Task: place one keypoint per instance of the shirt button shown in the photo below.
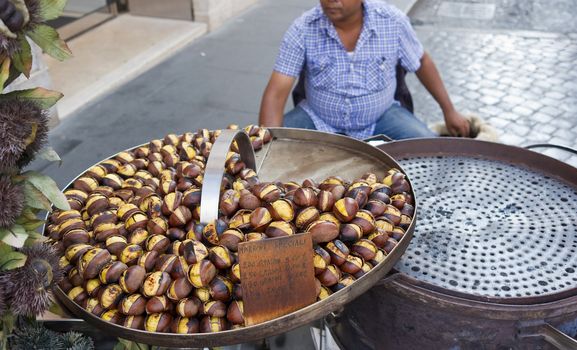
(352, 67)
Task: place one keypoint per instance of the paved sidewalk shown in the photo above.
(540, 15)
(523, 83)
(109, 56)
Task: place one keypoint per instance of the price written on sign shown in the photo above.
(277, 277)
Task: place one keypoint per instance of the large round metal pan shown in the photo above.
(497, 223)
(492, 263)
(294, 155)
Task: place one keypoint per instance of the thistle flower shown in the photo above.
(76, 341)
(34, 336)
(21, 16)
(11, 201)
(29, 286)
(23, 132)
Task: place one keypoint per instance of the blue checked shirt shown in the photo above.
(348, 93)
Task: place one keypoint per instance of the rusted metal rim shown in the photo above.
(451, 146)
(285, 323)
(519, 157)
(405, 285)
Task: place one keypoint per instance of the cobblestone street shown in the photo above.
(523, 82)
(541, 15)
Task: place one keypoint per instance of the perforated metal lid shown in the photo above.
(491, 228)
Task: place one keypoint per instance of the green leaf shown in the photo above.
(44, 98)
(48, 153)
(8, 321)
(12, 260)
(4, 73)
(124, 344)
(51, 9)
(14, 236)
(5, 249)
(29, 213)
(33, 238)
(14, 74)
(56, 309)
(49, 41)
(48, 187)
(23, 59)
(35, 199)
(32, 225)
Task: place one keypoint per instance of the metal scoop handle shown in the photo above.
(214, 170)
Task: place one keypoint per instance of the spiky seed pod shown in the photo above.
(11, 201)
(29, 285)
(17, 17)
(23, 132)
(76, 341)
(8, 45)
(34, 336)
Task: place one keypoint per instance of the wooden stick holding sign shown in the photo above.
(277, 277)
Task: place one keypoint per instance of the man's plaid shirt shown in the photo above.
(348, 93)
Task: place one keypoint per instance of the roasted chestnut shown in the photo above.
(231, 239)
(111, 272)
(220, 288)
(365, 248)
(259, 218)
(184, 325)
(157, 304)
(132, 278)
(306, 216)
(305, 197)
(132, 305)
(345, 209)
(235, 312)
(323, 231)
(213, 324)
(159, 322)
(200, 274)
(338, 252)
(330, 276)
(214, 308)
(110, 295)
(220, 256)
(156, 283)
(188, 307)
(193, 251)
(179, 289)
(351, 232)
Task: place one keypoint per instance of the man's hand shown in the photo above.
(457, 125)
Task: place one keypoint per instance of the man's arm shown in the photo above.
(274, 99)
(431, 80)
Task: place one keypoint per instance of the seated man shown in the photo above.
(349, 50)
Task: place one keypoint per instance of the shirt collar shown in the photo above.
(369, 16)
(325, 23)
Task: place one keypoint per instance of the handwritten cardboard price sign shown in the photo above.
(277, 277)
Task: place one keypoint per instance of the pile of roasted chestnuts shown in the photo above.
(135, 254)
